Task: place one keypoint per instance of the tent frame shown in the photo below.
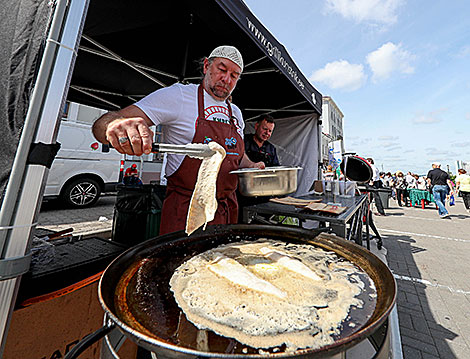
(23, 196)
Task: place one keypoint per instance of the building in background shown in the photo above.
(332, 128)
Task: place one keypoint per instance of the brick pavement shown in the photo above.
(429, 257)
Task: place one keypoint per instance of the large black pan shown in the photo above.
(356, 169)
(168, 252)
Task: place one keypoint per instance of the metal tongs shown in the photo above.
(196, 150)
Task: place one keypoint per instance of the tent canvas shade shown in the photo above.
(128, 51)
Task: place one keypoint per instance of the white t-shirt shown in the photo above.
(176, 109)
(464, 182)
(375, 173)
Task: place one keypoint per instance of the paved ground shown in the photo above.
(99, 218)
(429, 256)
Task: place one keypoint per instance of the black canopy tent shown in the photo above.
(126, 50)
(129, 49)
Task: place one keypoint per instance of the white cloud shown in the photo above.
(461, 144)
(463, 52)
(389, 58)
(372, 11)
(340, 75)
(388, 138)
(429, 117)
(390, 145)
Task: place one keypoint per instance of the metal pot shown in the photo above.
(271, 181)
(116, 290)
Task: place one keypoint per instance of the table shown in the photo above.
(419, 196)
(354, 215)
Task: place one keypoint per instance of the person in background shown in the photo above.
(387, 180)
(188, 113)
(421, 182)
(329, 174)
(376, 183)
(440, 182)
(410, 181)
(131, 177)
(257, 146)
(391, 184)
(400, 188)
(462, 182)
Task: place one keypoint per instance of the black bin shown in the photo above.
(385, 194)
(137, 213)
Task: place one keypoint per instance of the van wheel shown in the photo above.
(82, 192)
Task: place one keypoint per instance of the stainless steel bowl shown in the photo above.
(271, 181)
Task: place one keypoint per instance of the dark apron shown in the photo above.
(180, 185)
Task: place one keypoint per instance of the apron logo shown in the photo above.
(230, 142)
(207, 140)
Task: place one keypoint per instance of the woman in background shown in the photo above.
(463, 186)
(400, 188)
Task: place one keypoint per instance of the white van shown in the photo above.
(81, 171)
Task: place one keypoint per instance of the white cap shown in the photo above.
(437, 164)
(228, 52)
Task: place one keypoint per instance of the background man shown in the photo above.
(188, 114)
(131, 176)
(439, 180)
(257, 146)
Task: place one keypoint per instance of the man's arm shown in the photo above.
(131, 123)
(451, 185)
(247, 163)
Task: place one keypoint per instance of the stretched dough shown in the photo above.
(203, 203)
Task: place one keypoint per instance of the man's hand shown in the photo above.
(259, 165)
(127, 130)
(130, 136)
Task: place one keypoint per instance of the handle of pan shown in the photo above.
(89, 340)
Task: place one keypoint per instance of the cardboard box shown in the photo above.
(49, 326)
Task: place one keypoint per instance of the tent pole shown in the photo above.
(26, 183)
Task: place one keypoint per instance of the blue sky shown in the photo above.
(399, 70)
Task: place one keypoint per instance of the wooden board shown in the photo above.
(322, 207)
(294, 201)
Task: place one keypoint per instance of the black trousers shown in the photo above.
(400, 193)
(466, 199)
(376, 197)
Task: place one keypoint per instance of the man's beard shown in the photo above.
(219, 92)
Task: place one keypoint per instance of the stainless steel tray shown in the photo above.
(271, 181)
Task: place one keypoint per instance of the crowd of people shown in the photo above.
(437, 182)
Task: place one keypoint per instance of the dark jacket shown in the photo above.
(266, 153)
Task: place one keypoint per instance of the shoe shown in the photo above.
(444, 215)
(380, 214)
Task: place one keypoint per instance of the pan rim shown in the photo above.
(171, 239)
